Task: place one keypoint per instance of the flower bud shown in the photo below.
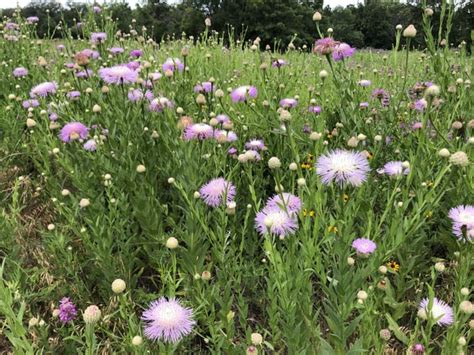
(274, 163)
(317, 16)
(91, 314)
(118, 286)
(409, 32)
(137, 340)
(172, 243)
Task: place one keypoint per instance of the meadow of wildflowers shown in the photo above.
(206, 195)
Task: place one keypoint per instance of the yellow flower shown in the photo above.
(346, 197)
(332, 229)
(393, 266)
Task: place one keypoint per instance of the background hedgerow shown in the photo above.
(200, 195)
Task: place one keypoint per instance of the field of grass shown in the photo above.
(310, 243)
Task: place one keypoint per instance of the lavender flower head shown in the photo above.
(119, 74)
(343, 167)
(278, 63)
(215, 191)
(137, 53)
(223, 119)
(381, 95)
(255, 144)
(205, 87)
(20, 72)
(290, 202)
(73, 95)
(420, 105)
(394, 168)
(73, 131)
(325, 46)
(32, 19)
(462, 217)
(315, 109)
(288, 103)
(159, 104)
(364, 247)
(173, 64)
(98, 37)
(67, 310)
(364, 83)
(30, 103)
(198, 131)
(167, 320)
(342, 51)
(44, 89)
(135, 95)
(223, 136)
(90, 145)
(440, 311)
(243, 92)
(116, 50)
(275, 221)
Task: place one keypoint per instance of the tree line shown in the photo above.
(275, 22)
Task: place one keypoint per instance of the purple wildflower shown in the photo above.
(67, 310)
(89, 53)
(439, 311)
(364, 83)
(341, 51)
(325, 46)
(364, 247)
(289, 202)
(214, 192)
(205, 87)
(198, 131)
(167, 320)
(96, 9)
(119, 74)
(159, 104)
(223, 119)
(134, 65)
(381, 95)
(364, 105)
(462, 217)
(98, 37)
(243, 92)
(44, 89)
(418, 349)
(394, 168)
(315, 109)
(288, 103)
(223, 136)
(30, 103)
(116, 50)
(90, 145)
(135, 95)
(84, 73)
(173, 64)
(155, 76)
(73, 95)
(137, 53)
(32, 19)
(420, 105)
(342, 166)
(417, 125)
(275, 221)
(255, 144)
(60, 47)
(73, 131)
(278, 63)
(20, 72)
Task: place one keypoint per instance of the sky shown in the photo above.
(13, 3)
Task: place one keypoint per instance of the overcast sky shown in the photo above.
(13, 3)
